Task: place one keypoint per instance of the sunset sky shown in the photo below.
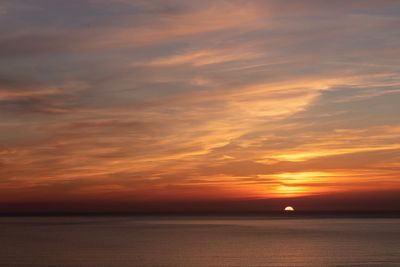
(137, 101)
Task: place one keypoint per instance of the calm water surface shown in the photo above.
(200, 242)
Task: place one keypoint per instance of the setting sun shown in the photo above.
(289, 208)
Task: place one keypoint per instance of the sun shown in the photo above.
(289, 209)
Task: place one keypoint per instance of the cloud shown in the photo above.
(176, 99)
(130, 31)
(25, 96)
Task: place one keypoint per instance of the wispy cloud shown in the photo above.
(145, 100)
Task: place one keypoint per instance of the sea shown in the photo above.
(189, 241)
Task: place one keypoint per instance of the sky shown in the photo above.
(174, 102)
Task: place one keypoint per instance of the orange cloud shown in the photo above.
(211, 100)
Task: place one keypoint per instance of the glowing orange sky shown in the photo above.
(175, 100)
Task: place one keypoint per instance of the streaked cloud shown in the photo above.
(169, 100)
